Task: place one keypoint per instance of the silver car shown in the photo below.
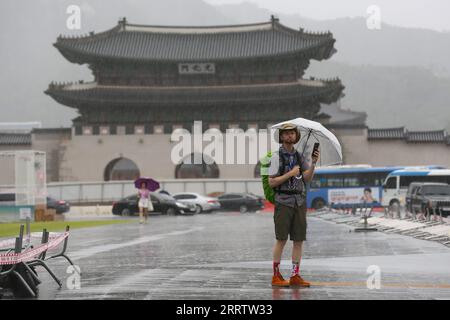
(202, 203)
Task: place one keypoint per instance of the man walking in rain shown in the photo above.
(287, 170)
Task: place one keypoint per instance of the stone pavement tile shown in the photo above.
(228, 256)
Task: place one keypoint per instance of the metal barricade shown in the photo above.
(18, 264)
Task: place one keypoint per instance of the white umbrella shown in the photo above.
(312, 132)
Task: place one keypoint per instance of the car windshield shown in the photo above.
(436, 190)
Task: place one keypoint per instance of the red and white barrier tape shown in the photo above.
(30, 254)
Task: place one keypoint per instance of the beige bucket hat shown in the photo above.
(286, 126)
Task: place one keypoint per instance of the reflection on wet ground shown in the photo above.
(227, 255)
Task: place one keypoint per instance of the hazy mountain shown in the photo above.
(356, 44)
(401, 77)
(393, 96)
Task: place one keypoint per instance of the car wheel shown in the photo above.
(126, 212)
(394, 204)
(318, 203)
(170, 211)
(198, 208)
(243, 208)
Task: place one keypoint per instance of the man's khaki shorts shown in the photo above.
(290, 221)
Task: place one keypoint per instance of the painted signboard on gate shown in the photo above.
(196, 68)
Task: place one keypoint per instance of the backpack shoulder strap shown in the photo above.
(281, 167)
(299, 162)
(282, 164)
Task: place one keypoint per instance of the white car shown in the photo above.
(202, 203)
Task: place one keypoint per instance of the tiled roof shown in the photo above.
(386, 133)
(431, 136)
(427, 136)
(342, 117)
(15, 139)
(200, 44)
(52, 130)
(74, 95)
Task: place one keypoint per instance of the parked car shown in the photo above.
(7, 199)
(242, 202)
(60, 206)
(202, 203)
(431, 195)
(411, 190)
(162, 203)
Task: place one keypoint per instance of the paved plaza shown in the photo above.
(228, 255)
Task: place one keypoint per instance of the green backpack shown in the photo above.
(269, 193)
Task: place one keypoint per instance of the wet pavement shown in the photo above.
(228, 255)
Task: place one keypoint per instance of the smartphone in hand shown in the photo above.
(316, 147)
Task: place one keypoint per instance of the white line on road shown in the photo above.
(88, 252)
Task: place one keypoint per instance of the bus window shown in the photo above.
(335, 181)
(374, 179)
(369, 179)
(317, 181)
(405, 181)
(379, 178)
(391, 183)
(352, 180)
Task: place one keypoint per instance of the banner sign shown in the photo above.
(353, 195)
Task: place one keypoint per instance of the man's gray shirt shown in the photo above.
(291, 184)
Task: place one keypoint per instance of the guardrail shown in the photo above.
(428, 225)
(107, 192)
(432, 213)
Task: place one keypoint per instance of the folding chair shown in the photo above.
(40, 261)
(63, 252)
(18, 270)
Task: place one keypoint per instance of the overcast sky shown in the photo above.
(428, 14)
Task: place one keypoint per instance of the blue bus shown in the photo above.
(349, 184)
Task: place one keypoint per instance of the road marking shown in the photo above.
(88, 252)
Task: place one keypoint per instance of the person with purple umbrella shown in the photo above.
(145, 202)
(144, 186)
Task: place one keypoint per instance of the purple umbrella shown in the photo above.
(152, 185)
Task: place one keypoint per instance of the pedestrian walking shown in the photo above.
(145, 203)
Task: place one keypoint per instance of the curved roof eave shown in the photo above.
(77, 55)
(330, 91)
(81, 57)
